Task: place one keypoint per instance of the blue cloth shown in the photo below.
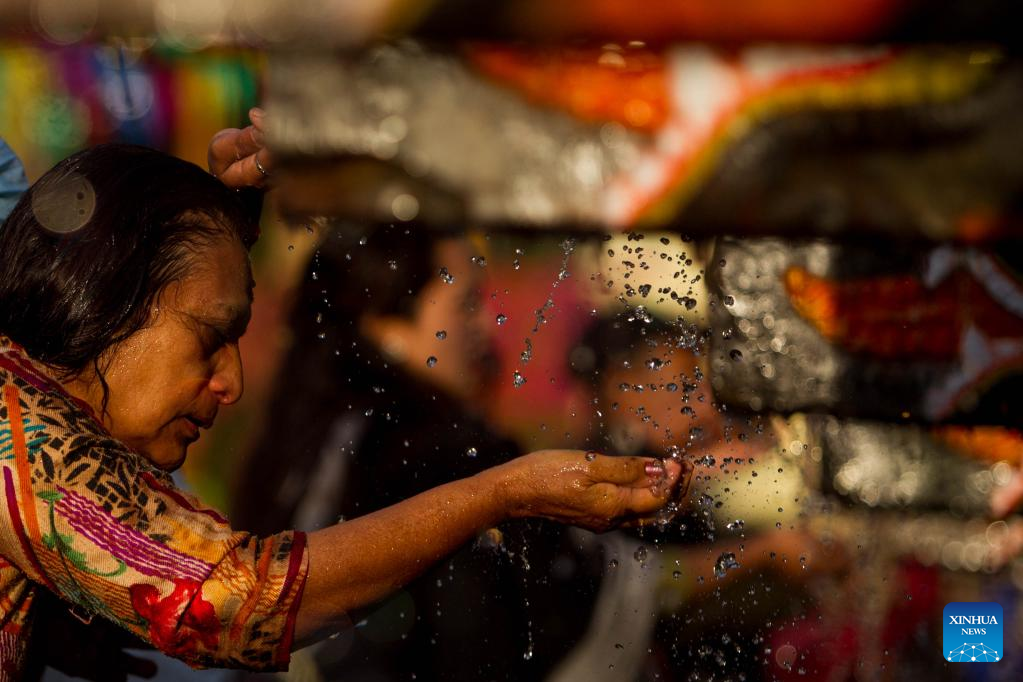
(13, 182)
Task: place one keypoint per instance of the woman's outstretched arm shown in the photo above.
(357, 562)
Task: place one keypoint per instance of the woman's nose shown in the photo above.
(227, 382)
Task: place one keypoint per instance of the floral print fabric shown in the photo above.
(87, 518)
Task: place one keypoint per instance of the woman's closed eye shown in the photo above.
(213, 338)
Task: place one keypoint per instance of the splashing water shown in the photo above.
(725, 563)
(527, 354)
(666, 515)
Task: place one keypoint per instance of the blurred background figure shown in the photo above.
(734, 541)
(380, 396)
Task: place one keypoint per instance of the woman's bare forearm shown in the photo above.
(357, 562)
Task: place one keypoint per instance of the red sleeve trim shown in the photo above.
(298, 548)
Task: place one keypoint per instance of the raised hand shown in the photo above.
(239, 157)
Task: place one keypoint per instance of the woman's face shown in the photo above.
(167, 381)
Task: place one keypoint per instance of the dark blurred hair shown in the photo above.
(357, 270)
(612, 339)
(90, 246)
(361, 269)
(330, 369)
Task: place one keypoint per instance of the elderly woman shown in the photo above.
(124, 288)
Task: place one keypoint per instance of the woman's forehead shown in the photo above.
(217, 278)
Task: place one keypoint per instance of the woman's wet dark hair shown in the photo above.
(88, 249)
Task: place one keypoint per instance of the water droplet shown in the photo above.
(527, 354)
(392, 264)
(666, 514)
(362, 241)
(66, 204)
(654, 363)
(729, 300)
(431, 361)
(725, 563)
(528, 653)
(786, 656)
(441, 334)
(613, 564)
(502, 318)
(516, 264)
(446, 276)
(735, 354)
(738, 524)
(676, 574)
(590, 456)
(291, 247)
(518, 379)
(640, 554)
(479, 260)
(471, 452)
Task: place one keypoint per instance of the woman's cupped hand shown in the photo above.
(589, 490)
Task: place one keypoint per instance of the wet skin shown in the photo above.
(168, 380)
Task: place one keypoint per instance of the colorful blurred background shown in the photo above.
(781, 239)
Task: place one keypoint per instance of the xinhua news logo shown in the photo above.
(972, 632)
